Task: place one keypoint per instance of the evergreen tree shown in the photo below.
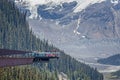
(15, 34)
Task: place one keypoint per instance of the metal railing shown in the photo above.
(33, 55)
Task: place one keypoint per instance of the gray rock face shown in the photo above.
(101, 21)
(98, 21)
(93, 32)
(56, 12)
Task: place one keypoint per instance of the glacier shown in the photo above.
(32, 5)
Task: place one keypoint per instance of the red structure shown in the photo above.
(9, 52)
(5, 62)
(16, 57)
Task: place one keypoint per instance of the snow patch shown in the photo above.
(40, 2)
(115, 1)
(33, 4)
(75, 31)
(83, 36)
(33, 11)
(57, 22)
(85, 3)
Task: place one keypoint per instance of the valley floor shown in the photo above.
(107, 76)
(102, 68)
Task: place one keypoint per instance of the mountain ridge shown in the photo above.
(33, 4)
(112, 60)
(76, 32)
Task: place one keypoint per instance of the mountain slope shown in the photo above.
(91, 32)
(112, 60)
(15, 34)
(102, 21)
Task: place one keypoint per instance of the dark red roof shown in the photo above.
(9, 52)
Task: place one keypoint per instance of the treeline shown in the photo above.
(15, 34)
(26, 73)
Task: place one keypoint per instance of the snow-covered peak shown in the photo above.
(82, 4)
(115, 1)
(39, 2)
(33, 5)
